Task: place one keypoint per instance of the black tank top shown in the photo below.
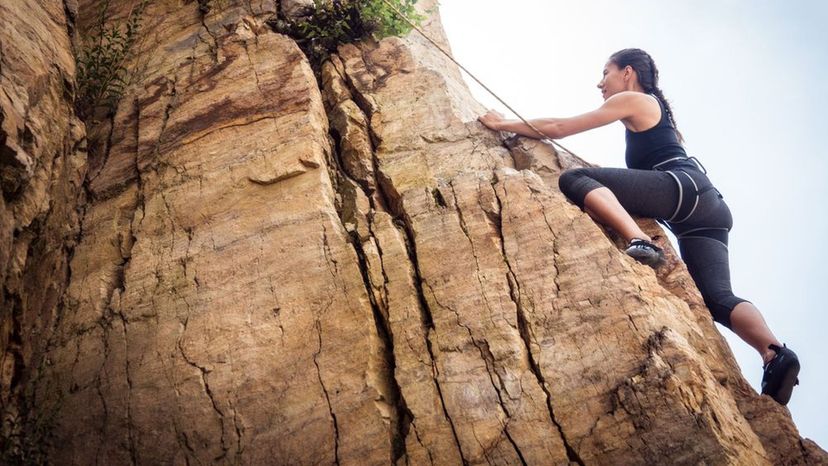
(653, 146)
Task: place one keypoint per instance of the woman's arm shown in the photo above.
(617, 107)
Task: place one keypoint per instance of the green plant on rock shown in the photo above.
(382, 21)
(102, 75)
(335, 22)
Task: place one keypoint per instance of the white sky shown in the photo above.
(746, 80)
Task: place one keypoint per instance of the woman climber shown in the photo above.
(661, 182)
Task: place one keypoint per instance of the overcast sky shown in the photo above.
(747, 81)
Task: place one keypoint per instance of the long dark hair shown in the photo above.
(645, 67)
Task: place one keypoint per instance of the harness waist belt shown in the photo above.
(689, 159)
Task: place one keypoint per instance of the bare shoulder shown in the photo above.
(641, 111)
(638, 100)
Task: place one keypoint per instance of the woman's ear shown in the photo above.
(630, 74)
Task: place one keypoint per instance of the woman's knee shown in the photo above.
(575, 183)
(721, 306)
(569, 178)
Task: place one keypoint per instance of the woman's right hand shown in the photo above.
(492, 120)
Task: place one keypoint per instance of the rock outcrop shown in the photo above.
(256, 266)
(42, 170)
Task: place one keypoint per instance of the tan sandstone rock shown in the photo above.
(42, 167)
(277, 269)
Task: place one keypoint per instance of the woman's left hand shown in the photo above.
(492, 119)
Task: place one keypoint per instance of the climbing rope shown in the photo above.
(544, 137)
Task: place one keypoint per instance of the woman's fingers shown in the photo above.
(491, 118)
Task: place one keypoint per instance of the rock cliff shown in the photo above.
(251, 264)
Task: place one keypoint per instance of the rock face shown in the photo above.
(42, 168)
(271, 269)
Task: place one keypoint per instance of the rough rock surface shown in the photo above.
(42, 167)
(275, 270)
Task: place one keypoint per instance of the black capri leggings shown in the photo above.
(701, 223)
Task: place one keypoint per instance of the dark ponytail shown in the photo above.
(647, 72)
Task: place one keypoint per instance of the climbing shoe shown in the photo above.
(645, 252)
(780, 374)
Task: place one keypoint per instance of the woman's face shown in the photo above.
(613, 80)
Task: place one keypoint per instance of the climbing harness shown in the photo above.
(688, 190)
(718, 234)
(688, 201)
(692, 159)
(686, 184)
(544, 137)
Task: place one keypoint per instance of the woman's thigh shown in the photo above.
(647, 193)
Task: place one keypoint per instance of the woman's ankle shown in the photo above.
(767, 355)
